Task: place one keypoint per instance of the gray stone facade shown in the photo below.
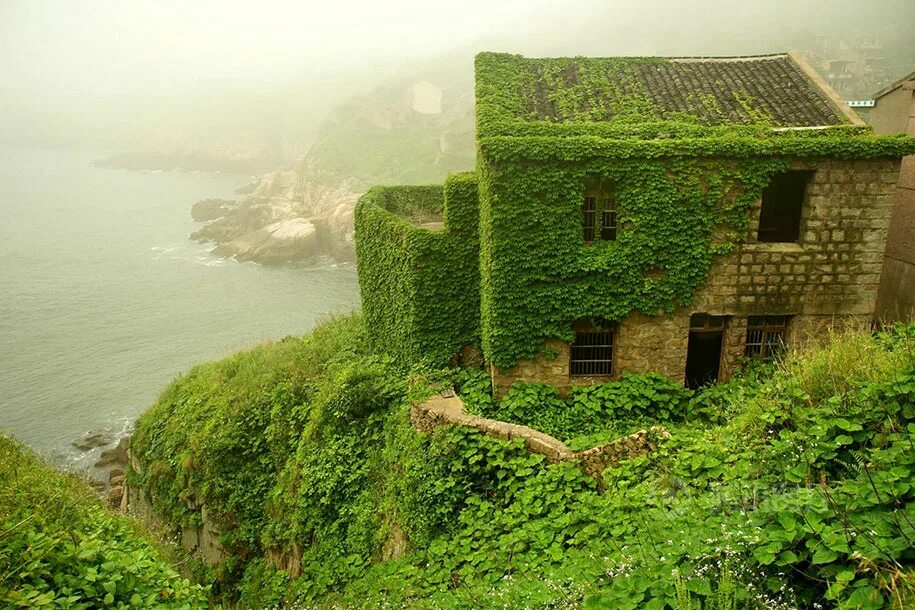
(829, 277)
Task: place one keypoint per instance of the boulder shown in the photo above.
(211, 209)
(115, 494)
(279, 242)
(93, 439)
(116, 455)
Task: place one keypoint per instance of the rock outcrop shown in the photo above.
(283, 220)
(203, 539)
(413, 131)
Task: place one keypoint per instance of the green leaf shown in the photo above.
(824, 554)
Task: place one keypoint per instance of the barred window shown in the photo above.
(608, 223)
(599, 215)
(766, 336)
(588, 217)
(592, 351)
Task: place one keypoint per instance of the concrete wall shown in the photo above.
(895, 113)
(830, 277)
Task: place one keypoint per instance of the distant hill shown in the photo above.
(415, 128)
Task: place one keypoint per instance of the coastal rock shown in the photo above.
(412, 131)
(116, 455)
(94, 439)
(279, 242)
(115, 495)
(211, 209)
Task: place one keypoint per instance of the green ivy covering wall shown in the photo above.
(420, 286)
(683, 191)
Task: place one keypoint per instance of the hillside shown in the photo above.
(788, 487)
(59, 548)
(415, 128)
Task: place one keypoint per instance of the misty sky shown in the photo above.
(89, 62)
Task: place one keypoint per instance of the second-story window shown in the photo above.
(588, 217)
(598, 216)
(782, 204)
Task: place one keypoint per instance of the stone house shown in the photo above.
(894, 112)
(675, 215)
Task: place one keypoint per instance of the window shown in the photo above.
(608, 224)
(782, 202)
(598, 216)
(588, 215)
(766, 336)
(592, 351)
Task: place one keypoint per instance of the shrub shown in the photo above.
(59, 548)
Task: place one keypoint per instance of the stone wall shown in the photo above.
(830, 277)
(439, 411)
(202, 540)
(895, 113)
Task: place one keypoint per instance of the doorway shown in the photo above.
(703, 352)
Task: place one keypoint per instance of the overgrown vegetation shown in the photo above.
(791, 487)
(420, 285)
(682, 183)
(59, 548)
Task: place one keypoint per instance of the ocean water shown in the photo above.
(104, 299)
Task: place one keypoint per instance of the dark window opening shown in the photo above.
(766, 337)
(599, 214)
(591, 352)
(703, 353)
(782, 203)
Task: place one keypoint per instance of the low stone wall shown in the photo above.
(441, 410)
(202, 540)
(595, 460)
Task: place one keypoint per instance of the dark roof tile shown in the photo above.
(712, 91)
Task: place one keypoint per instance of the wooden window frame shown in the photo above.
(706, 322)
(767, 336)
(600, 217)
(591, 353)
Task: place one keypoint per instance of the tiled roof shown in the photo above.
(711, 90)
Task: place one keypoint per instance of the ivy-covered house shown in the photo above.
(675, 215)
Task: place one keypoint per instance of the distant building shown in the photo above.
(894, 112)
(676, 215)
(854, 68)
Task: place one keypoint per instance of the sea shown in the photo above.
(104, 298)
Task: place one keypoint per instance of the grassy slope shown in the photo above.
(784, 489)
(59, 548)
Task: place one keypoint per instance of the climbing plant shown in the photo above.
(683, 186)
(420, 285)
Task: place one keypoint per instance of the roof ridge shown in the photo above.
(728, 58)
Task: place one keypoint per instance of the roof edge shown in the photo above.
(894, 85)
(819, 82)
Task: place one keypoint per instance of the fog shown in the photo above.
(117, 73)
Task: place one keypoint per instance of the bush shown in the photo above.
(59, 548)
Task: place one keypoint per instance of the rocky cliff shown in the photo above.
(415, 129)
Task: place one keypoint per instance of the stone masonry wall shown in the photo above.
(202, 540)
(438, 411)
(830, 277)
